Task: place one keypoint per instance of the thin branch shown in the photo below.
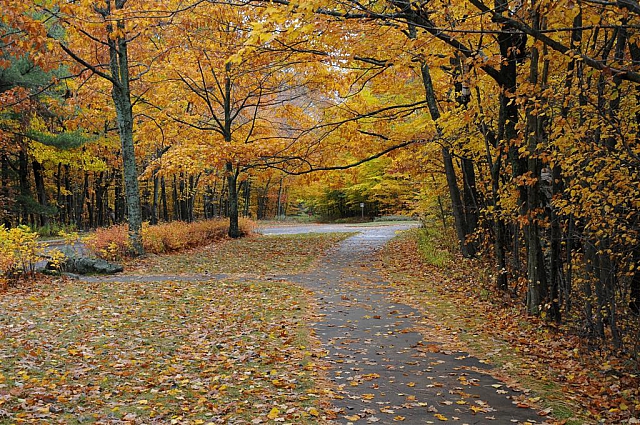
(555, 45)
(312, 169)
(90, 67)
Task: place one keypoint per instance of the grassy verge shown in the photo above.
(258, 254)
(160, 352)
(461, 313)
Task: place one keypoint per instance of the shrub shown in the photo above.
(112, 243)
(19, 251)
(54, 229)
(435, 245)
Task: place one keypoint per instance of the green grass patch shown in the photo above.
(187, 352)
(432, 247)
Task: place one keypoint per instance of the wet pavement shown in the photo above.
(383, 370)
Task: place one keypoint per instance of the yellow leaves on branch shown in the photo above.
(19, 251)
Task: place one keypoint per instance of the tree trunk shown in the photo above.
(25, 190)
(470, 199)
(174, 192)
(79, 196)
(100, 190)
(279, 203)
(5, 192)
(163, 197)
(592, 267)
(119, 199)
(69, 198)
(121, 94)
(232, 179)
(560, 294)
(222, 204)
(182, 200)
(536, 271)
(91, 209)
(450, 173)
(232, 174)
(38, 175)
(247, 197)
(156, 194)
(59, 199)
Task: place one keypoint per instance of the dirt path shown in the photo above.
(384, 371)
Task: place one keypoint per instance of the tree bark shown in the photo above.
(5, 191)
(121, 94)
(175, 203)
(536, 271)
(163, 197)
(232, 179)
(449, 170)
(38, 175)
(25, 189)
(247, 197)
(470, 199)
(156, 195)
(69, 198)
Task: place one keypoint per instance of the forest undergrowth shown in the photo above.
(562, 374)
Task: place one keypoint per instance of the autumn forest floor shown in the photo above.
(289, 328)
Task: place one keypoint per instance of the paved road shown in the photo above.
(384, 371)
(367, 228)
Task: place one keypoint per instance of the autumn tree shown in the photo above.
(107, 41)
(245, 99)
(526, 87)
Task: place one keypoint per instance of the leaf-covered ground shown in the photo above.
(574, 384)
(209, 351)
(279, 254)
(163, 352)
(240, 350)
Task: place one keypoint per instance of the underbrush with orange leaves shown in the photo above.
(112, 243)
(565, 375)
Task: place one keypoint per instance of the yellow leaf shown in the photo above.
(273, 413)
(441, 417)
(314, 412)
(399, 418)
(352, 418)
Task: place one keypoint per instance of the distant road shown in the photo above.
(291, 229)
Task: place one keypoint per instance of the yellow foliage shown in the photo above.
(19, 251)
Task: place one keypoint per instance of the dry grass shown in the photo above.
(112, 242)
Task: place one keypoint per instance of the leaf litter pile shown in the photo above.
(232, 351)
